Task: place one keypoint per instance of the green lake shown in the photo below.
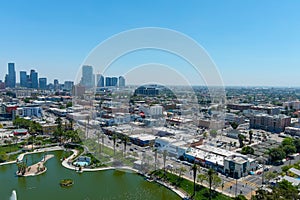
(110, 184)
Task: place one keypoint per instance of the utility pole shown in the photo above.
(262, 174)
(236, 183)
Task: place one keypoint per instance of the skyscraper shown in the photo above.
(43, 83)
(11, 76)
(100, 80)
(121, 81)
(56, 84)
(88, 77)
(23, 79)
(34, 79)
(108, 82)
(68, 85)
(114, 81)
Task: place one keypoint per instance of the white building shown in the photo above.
(292, 131)
(29, 112)
(156, 110)
(175, 148)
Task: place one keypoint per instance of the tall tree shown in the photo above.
(194, 169)
(114, 138)
(241, 138)
(165, 154)
(276, 154)
(155, 158)
(250, 136)
(125, 140)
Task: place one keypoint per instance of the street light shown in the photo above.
(236, 180)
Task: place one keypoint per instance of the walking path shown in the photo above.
(21, 156)
(67, 164)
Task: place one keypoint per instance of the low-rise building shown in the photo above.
(238, 166)
(293, 131)
(29, 112)
(173, 146)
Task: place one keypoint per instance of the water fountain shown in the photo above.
(13, 195)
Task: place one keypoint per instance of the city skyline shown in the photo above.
(252, 43)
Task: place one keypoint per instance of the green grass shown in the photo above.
(186, 185)
(9, 148)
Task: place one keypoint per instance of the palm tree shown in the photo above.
(114, 138)
(102, 138)
(15, 139)
(165, 154)
(21, 167)
(155, 158)
(194, 168)
(71, 121)
(86, 126)
(125, 141)
(100, 147)
(250, 136)
(210, 174)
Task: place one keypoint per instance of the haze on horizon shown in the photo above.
(253, 43)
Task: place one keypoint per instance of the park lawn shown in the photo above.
(186, 185)
(9, 148)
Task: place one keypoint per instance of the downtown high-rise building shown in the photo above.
(10, 78)
(87, 78)
(23, 79)
(121, 81)
(34, 79)
(100, 80)
(114, 81)
(56, 84)
(43, 83)
(68, 85)
(108, 81)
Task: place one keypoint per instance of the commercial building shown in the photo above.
(100, 80)
(227, 162)
(68, 85)
(11, 76)
(173, 146)
(43, 83)
(19, 132)
(147, 91)
(272, 123)
(23, 79)
(114, 81)
(241, 106)
(292, 105)
(29, 112)
(87, 76)
(108, 81)
(34, 79)
(211, 124)
(237, 166)
(121, 81)
(293, 131)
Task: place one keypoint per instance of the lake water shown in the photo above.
(111, 184)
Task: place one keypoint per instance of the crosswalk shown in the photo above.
(253, 184)
(228, 184)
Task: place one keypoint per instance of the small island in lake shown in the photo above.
(66, 182)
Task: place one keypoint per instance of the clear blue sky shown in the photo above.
(252, 42)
